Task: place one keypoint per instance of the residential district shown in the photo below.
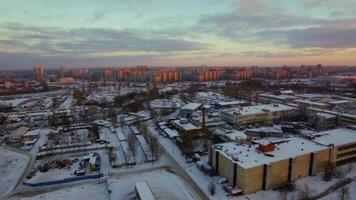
(178, 133)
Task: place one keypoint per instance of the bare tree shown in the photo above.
(212, 187)
(344, 193)
(155, 147)
(305, 194)
(132, 143)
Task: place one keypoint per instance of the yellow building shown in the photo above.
(269, 163)
(342, 142)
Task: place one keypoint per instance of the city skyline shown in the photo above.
(176, 33)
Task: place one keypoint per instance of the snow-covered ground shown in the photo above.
(12, 164)
(163, 185)
(315, 184)
(83, 192)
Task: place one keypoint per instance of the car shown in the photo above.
(80, 172)
(223, 180)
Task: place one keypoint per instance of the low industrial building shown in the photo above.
(322, 121)
(230, 104)
(188, 109)
(342, 141)
(343, 119)
(259, 114)
(269, 163)
(143, 191)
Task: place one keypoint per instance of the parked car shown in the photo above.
(80, 172)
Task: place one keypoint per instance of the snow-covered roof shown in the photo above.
(286, 92)
(35, 132)
(225, 103)
(171, 133)
(14, 102)
(325, 115)
(310, 102)
(144, 191)
(250, 110)
(164, 103)
(21, 130)
(335, 102)
(338, 137)
(184, 124)
(278, 97)
(249, 156)
(191, 106)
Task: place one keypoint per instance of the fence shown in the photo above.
(62, 181)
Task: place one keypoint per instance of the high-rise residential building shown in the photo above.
(80, 72)
(243, 74)
(38, 72)
(168, 76)
(108, 72)
(64, 71)
(209, 75)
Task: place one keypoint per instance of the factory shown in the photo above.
(271, 162)
(259, 114)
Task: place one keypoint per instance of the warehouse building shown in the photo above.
(259, 114)
(188, 110)
(269, 163)
(342, 142)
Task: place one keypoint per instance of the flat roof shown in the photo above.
(171, 133)
(144, 191)
(310, 102)
(338, 137)
(225, 103)
(191, 106)
(247, 156)
(21, 130)
(249, 110)
(186, 125)
(340, 101)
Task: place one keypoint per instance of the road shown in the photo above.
(32, 158)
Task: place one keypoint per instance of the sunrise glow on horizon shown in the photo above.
(176, 33)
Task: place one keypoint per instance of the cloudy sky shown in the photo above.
(176, 32)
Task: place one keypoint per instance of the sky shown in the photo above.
(92, 33)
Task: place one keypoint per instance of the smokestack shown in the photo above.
(203, 121)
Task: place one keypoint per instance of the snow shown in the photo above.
(67, 103)
(247, 156)
(339, 136)
(191, 106)
(336, 195)
(14, 102)
(114, 139)
(311, 103)
(145, 147)
(251, 110)
(120, 134)
(164, 103)
(12, 164)
(325, 115)
(171, 133)
(144, 191)
(163, 185)
(231, 103)
(201, 180)
(184, 124)
(83, 192)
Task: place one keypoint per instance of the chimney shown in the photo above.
(203, 121)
